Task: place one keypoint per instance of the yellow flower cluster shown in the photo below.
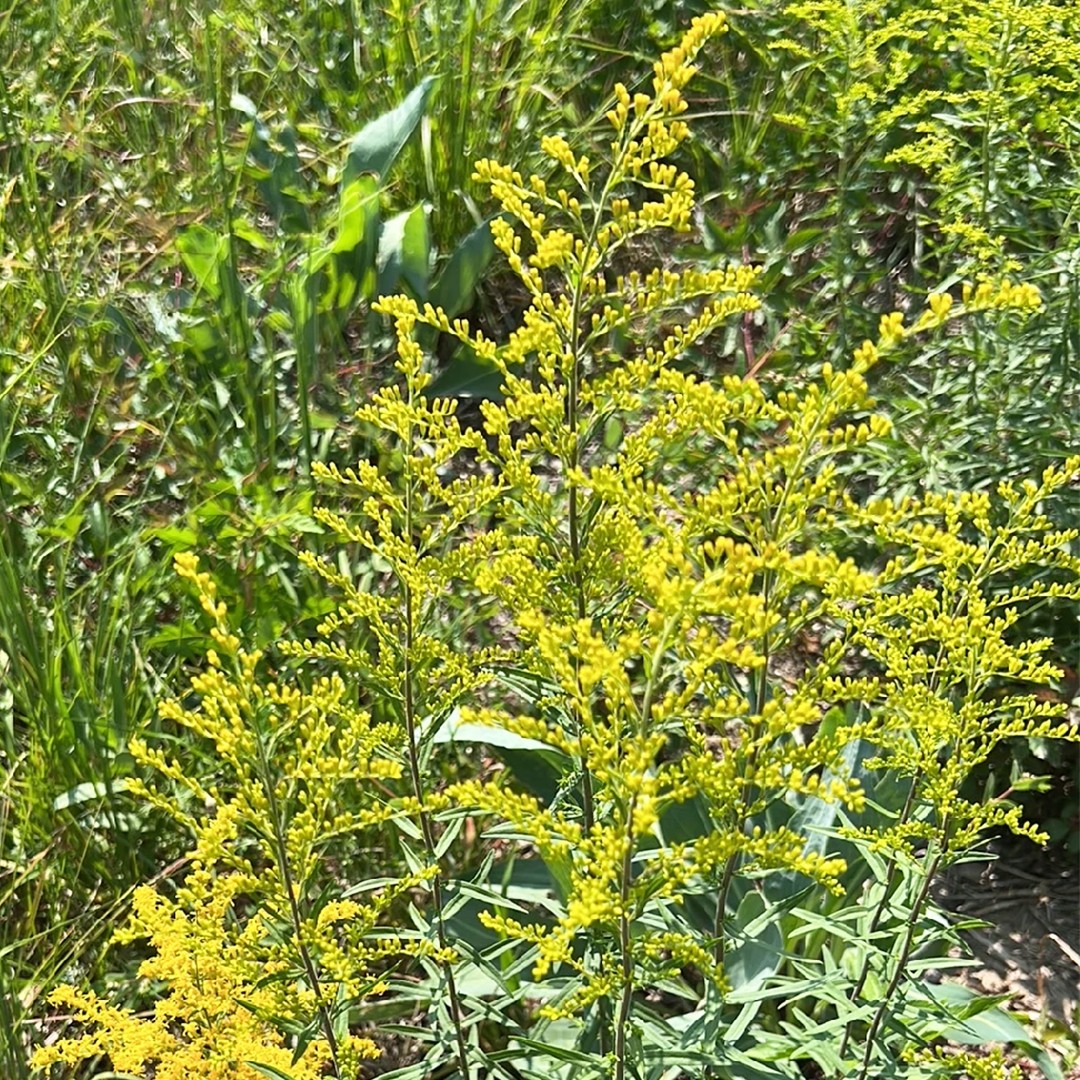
(1000, 73)
(648, 585)
(302, 768)
(942, 647)
(217, 1018)
(946, 1063)
(1003, 295)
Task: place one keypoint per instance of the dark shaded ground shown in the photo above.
(1031, 950)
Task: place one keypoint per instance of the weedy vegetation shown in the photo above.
(691, 588)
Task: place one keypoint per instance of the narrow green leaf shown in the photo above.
(453, 730)
(561, 1053)
(270, 1070)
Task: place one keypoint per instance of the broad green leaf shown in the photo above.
(814, 817)
(540, 771)
(686, 821)
(203, 253)
(375, 148)
(454, 289)
(977, 1018)
(346, 269)
(761, 949)
(85, 792)
(980, 1019)
(358, 214)
(404, 256)
(468, 377)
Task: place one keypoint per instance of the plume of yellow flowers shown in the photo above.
(650, 585)
(245, 949)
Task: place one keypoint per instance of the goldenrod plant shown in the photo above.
(977, 97)
(878, 151)
(707, 847)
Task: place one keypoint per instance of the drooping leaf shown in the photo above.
(454, 730)
(375, 148)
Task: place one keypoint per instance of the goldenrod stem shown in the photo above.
(325, 1020)
(426, 829)
(625, 954)
(900, 970)
(875, 922)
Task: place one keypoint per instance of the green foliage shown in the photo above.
(703, 852)
(270, 340)
(875, 149)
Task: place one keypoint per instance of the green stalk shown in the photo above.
(759, 694)
(626, 957)
(574, 523)
(905, 952)
(876, 920)
(892, 868)
(720, 914)
(412, 732)
(573, 417)
(325, 1020)
(429, 835)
